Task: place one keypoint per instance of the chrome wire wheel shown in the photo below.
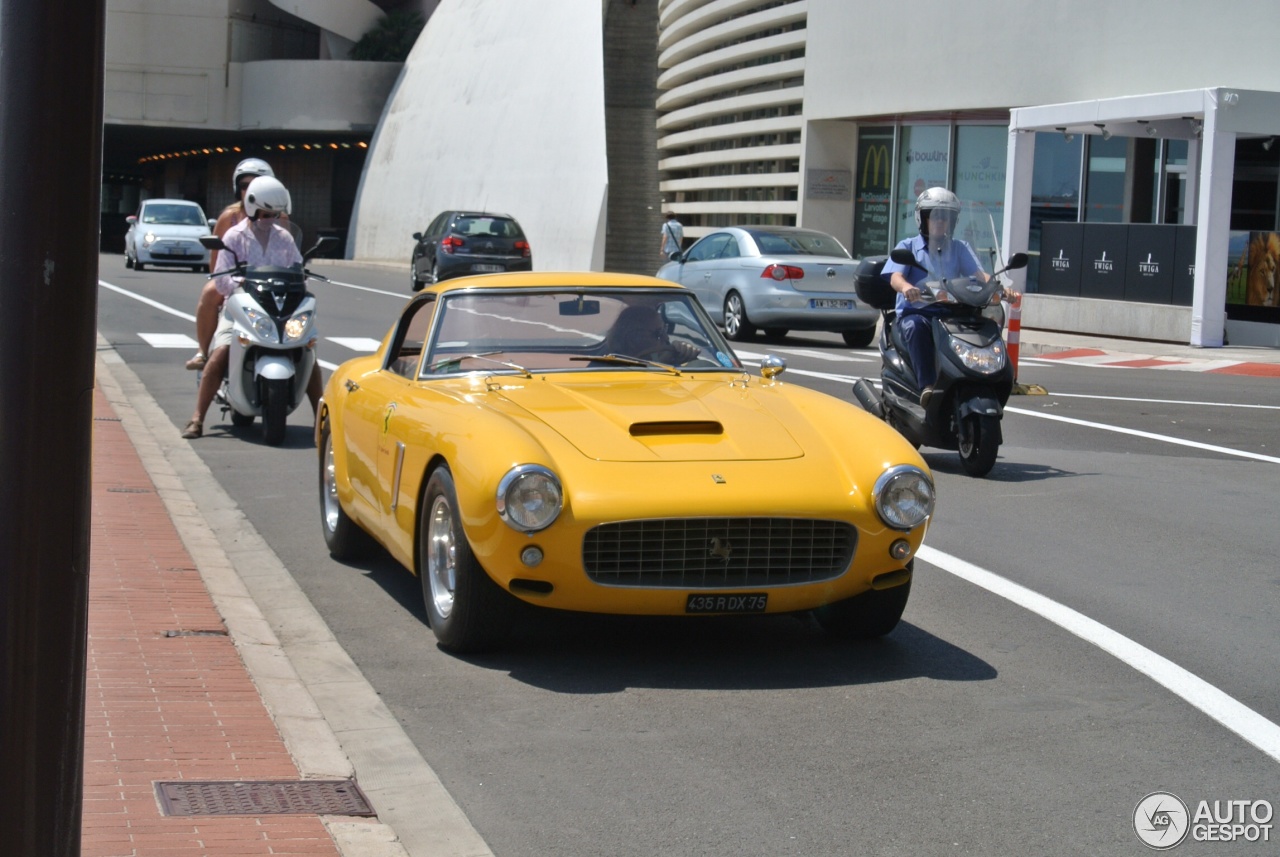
(329, 492)
(442, 557)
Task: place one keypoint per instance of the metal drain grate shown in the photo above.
(263, 797)
(185, 633)
(129, 490)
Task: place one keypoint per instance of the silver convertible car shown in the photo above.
(775, 279)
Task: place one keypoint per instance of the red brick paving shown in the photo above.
(166, 708)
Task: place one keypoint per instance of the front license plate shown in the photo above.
(487, 269)
(719, 602)
(828, 303)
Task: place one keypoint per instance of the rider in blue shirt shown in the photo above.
(939, 256)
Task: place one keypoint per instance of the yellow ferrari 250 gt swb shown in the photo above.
(590, 442)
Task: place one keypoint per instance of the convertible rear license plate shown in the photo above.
(720, 602)
(828, 303)
(488, 269)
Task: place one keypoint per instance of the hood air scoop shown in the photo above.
(676, 427)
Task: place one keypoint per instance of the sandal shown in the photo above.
(194, 429)
(197, 363)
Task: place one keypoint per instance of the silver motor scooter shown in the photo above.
(273, 341)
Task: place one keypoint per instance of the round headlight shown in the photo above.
(904, 497)
(529, 498)
(295, 327)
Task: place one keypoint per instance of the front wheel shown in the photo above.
(138, 266)
(874, 613)
(468, 612)
(275, 410)
(979, 444)
(435, 273)
(736, 325)
(128, 261)
(860, 338)
(414, 282)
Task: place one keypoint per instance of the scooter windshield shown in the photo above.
(954, 264)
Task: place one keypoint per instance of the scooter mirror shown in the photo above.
(212, 242)
(322, 243)
(1016, 261)
(903, 256)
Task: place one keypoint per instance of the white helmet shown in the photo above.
(935, 199)
(266, 193)
(249, 167)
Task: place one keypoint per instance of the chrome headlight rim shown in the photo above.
(900, 477)
(513, 511)
(987, 360)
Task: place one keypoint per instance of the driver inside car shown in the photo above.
(639, 331)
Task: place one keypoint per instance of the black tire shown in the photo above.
(872, 614)
(775, 334)
(736, 324)
(414, 282)
(467, 611)
(138, 266)
(241, 420)
(978, 446)
(128, 261)
(275, 410)
(435, 273)
(342, 536)
(860, 338)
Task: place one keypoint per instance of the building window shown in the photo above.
(924, 158)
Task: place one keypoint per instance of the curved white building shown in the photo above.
(500, 108)
(731, 110)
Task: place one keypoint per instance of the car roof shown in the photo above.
(553, 279)
(170, 202)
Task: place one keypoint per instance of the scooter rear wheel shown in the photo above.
(978, 444)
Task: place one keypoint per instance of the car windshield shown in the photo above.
(173, 215)
(573, 330)
(797, 243)
(494, 227)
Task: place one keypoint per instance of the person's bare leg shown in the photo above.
(214, 369)
(206, 321)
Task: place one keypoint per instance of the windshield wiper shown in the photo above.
(629, 361)
(484, 356)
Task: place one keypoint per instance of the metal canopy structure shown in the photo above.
(1211, 119)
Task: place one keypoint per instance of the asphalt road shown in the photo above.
(978, 727)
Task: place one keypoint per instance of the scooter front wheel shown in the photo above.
(979, 444)
(275, 410)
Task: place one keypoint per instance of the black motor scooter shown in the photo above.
(975, 377)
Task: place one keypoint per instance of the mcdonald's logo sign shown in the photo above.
(875, 166)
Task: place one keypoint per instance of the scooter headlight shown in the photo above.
(904, 497)
(263, 325)
(296, 327)
(529, 498)
(985, 360)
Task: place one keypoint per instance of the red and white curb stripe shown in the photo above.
(1122, 360)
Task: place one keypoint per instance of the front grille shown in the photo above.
(718, 553)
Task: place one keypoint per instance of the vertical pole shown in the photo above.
(50, 180)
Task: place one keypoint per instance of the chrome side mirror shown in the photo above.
(772, 366)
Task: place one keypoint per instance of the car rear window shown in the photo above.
(495, 227)
(797, 244)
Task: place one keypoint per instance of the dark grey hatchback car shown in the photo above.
(461, 243)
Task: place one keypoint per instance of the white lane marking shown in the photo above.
(826, 376)
(1146, 434)
(168, 340)
(833, 356)
(1234, 715)
(401, 295)
(356, 343)
(148, 301)
(1164, 401)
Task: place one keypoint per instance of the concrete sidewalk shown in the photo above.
(1082, 350)
(207, 667)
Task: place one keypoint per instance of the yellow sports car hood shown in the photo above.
(652, 419)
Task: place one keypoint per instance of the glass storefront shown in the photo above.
(924, 158)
